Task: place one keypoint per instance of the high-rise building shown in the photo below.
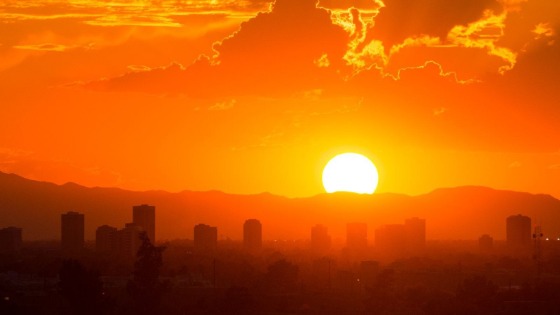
(252, 235)
(10, 240)
(320, 239)
(123, 243)
(106, 239)
(72, 232)
(518, 231)
(401, 240)
(128, 240)
(144, 216)
(205, 238)
(356, 236)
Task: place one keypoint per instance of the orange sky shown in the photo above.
(253, 96)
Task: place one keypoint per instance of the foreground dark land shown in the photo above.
(285, 277)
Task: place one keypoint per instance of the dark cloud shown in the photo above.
(283, 46)
(297, 47)
(275, 52)
(402, 19)
(533, 82)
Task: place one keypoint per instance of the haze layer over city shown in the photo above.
(279, 157)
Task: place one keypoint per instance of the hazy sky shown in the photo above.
(254, 96)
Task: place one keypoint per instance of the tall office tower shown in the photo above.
(518, 231)
(401, 240)
(320, 239)
(106, 239)
(485, 243)
(252, 235)
(72, 232)
(128, 240)
(144, 216)
(205, 238)
(415, 229)
(10, 240)
(356, 236)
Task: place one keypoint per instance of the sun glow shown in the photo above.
(350, 172)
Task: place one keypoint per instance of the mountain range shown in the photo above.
(451, 213)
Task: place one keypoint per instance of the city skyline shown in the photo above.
(285, 218)
(389, 241)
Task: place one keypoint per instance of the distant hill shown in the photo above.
(451, 213)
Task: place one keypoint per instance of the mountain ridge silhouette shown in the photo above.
(463, 212)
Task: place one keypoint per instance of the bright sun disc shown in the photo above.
(350, 172)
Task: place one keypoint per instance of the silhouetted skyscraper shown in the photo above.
(72, 232)
(320, 239)
(518, 231)
(10, 240)
(401, 240)
(144, 216)
(205, 238)
(128, 240)
(252, 234)
(106, 239)
(356, 236)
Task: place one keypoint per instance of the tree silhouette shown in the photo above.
(477, 295)
(237, 300)
(282, 275)
(477, 289)
(82, 288)
(145, 287)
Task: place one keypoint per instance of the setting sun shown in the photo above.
(350, 172)
(276, 156)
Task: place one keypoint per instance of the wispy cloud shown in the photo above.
(154, 20)
(45, 47)
(224, 105)
(119, 12)
(545, 31)
(10, 157)
(439, 111)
